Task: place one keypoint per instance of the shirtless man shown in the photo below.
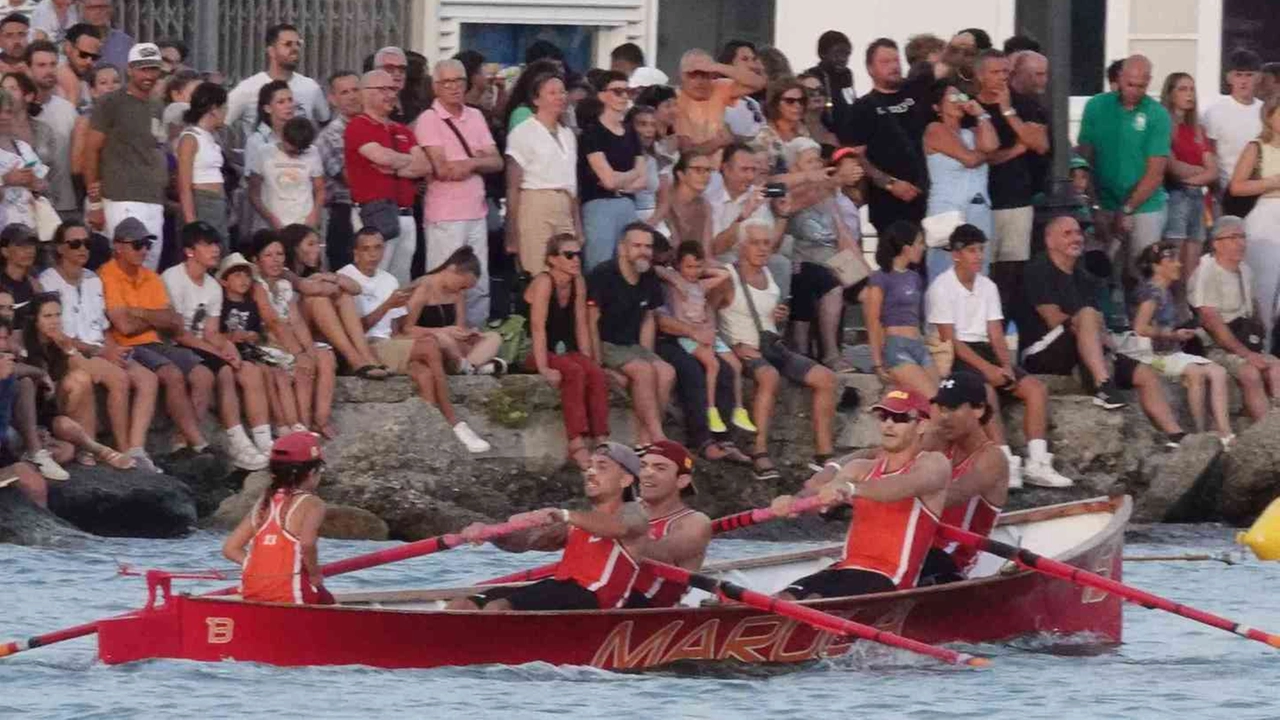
(678, 534)
(597, 571)
(979, 474)
(897, 497)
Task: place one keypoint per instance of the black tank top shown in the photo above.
(438, 316)
(21, 290)
(560, 321)
(240, 315)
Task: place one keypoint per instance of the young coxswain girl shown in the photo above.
(276, 542)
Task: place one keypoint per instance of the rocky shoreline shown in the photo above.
(395, 471)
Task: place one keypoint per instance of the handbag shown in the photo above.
(938, 228)
(1247, 329)
(1241, 206)
(46, 218)
(382, 215)
(772, 347)
(848, 267)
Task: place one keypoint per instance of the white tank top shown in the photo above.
(736, 324)
(207, 165)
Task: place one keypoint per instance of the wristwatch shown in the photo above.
(1127, 209)
(1009, 113)
(984, 116)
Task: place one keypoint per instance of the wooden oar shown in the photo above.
(736, 521)
(810, 616)
(1032, 561)
(360, 562)
(1223, 558)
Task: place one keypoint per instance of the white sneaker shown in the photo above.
(142, 461)
(1015, 472)
(246, 456)
(496, 366)
(45, 464)
(468, 437)
(298, 427)
(1043, 474)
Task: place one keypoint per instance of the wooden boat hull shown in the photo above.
(990, 609)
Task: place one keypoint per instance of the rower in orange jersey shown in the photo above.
(897, 497)
(979, 474)
(597, 570)
(275, 544)
(678, 534)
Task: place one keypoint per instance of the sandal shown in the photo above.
(86, 458)
(117, 460)
(761, 471)
(712, 451)
(371, 372)
(734, 455)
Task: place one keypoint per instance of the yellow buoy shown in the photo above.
(1264, 537)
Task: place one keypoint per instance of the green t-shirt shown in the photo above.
(519, 115)
(1122, 141)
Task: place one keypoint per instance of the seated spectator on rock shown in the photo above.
(964, 306)
(72, 414)
(893, 306)
(749, 315)
(286, 178)
(690, 215)
(18, 252)
(688, 284)
(32, 391)
(21, 475)
(957, 161)
(707, 89)
(84, 325)
(138, 309)
(197, 297)
(558, 328)
(315, 367)
(328, 302)
(820, 234)
(1067, 331)
(1221, 292)
(438, 308)
(383, 310)
(1256, 174)
(1157, 340)
(623, 296)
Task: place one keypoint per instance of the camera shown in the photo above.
(775, 190)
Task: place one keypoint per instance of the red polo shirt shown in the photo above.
(368, 183)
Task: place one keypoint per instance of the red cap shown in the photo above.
(899, 400)
(842, 153)
(678, 454)
(298, 447)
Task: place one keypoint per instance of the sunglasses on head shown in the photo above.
(570, 254)
(897, 418)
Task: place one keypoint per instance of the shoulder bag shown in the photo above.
(772, 346)
(1247, 328)
(1241, 206)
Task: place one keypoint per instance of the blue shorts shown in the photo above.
(689, 345)
(1186, 214)
(905, 351)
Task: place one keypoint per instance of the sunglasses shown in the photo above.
(570, 254)
(958, 97)
(791, 100)
(143, 244)
(75, 244)
(897, 418)
(88, 55)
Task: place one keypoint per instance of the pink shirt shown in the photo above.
(448, 201)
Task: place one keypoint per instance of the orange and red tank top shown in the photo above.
(889, 538)
(600, 565)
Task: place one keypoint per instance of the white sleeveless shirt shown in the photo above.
(736, 324)
(206, 167)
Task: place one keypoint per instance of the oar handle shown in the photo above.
(1034, 561)
(810, 616)
(747, 518)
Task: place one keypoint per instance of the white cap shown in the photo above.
(645, 76)
(144, 55)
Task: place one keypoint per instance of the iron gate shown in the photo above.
(227, 35)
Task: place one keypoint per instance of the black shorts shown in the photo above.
(549, 594)
(938, 569)
(215, 363)
(638, 599)
(986, 352)
(840, 583)
(1061, 358)
(808, 285)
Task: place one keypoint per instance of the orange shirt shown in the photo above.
(273, 569)
(144, 290)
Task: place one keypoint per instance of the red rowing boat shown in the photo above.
(408, 628)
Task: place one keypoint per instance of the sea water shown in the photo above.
(1167, 667)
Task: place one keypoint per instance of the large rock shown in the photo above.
(1252, 476)
(22, 522)
(111, 502)
(341, 522)
(1181, 486)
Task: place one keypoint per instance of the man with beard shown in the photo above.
(83, 48)
(886, 126)
(60, 115)
(678, 534)
(897, 497)
(125, 168)
(596, 572)
(14, 29)
(284, 53)
(979, 474)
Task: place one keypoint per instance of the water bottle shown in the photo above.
(1011, 338)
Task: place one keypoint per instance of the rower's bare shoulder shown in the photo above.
(935, 463)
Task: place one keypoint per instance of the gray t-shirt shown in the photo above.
(133, 167)
(903, 297)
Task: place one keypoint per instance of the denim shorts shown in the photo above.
(1186, 214)
(905, 351)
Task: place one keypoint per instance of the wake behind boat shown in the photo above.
(409, 629)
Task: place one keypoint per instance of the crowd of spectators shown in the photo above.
(237, 246)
